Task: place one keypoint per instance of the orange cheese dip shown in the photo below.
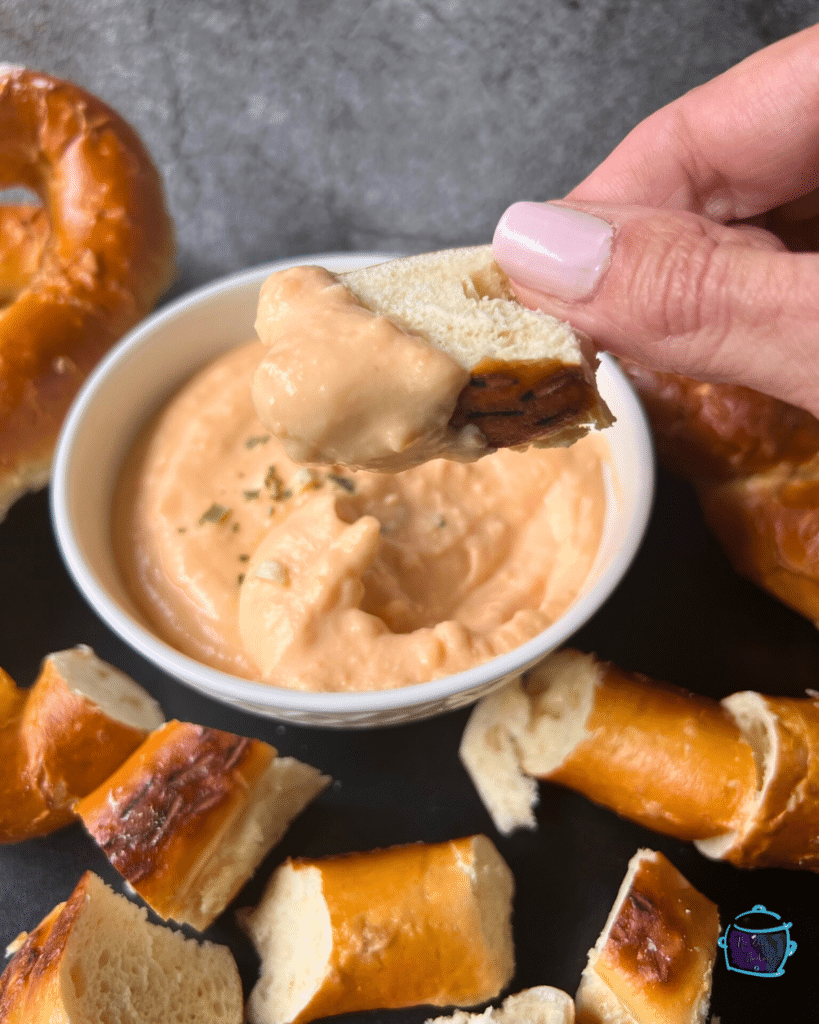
(323, 579)
(340, 384)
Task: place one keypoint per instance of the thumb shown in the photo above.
(672, 290)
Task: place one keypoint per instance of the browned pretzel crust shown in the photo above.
(189, 816)
(181, 783)
(24, 230)
(654, 959)
(96, 957)
(517, 403)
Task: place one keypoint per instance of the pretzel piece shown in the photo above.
(188, 818)
(655, 956)
(62, 737)
(108, 256)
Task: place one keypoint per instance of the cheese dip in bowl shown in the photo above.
(317, 596)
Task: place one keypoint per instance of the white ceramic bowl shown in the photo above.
(149, 365)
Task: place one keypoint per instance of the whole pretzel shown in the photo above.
(76, 273)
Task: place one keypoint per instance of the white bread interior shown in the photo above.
(757, 725)
(462, 303)
(491, 755)
(235, 851)
(112, 965)
(528, 728)
(64, 735)
(539, 1005)
(772, 800)
(561, 691)
(114, 693)
(293, 919)
(492, 890)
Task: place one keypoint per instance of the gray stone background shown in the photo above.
(286, 127)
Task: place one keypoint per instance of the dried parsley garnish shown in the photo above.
(215, 514)
(342, 481)
(274, 483)
(251, 442)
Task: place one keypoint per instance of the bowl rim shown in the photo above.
(233, 689)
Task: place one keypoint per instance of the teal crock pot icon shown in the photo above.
(755, 945)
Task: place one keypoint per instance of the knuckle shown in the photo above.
(682, 281)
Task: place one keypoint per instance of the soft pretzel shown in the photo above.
(388, 366)
(62, 737)
(739, 777)
(188, 818)
(673, 762)
(754, 462)
(426, 923)
(107, 257)
(97, 958)
(655, 956)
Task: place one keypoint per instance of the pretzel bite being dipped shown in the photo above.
(187, 819)
(62, 737)
(740, 777)
(76, 274)
(404, 926)
(96, 958)
(423, 357)
(655, 956)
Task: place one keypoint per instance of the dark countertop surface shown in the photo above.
(680, 614)
(316, 125)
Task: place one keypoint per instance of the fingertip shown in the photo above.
(553, 249)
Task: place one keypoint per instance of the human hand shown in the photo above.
(693, 246)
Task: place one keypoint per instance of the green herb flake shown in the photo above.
(274, 483)
(215, 514)
(342, 481)
(251, 442)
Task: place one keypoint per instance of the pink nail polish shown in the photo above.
(553, 249)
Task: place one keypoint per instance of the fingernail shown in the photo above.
(553, 249)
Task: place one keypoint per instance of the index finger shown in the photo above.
(741, 144)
